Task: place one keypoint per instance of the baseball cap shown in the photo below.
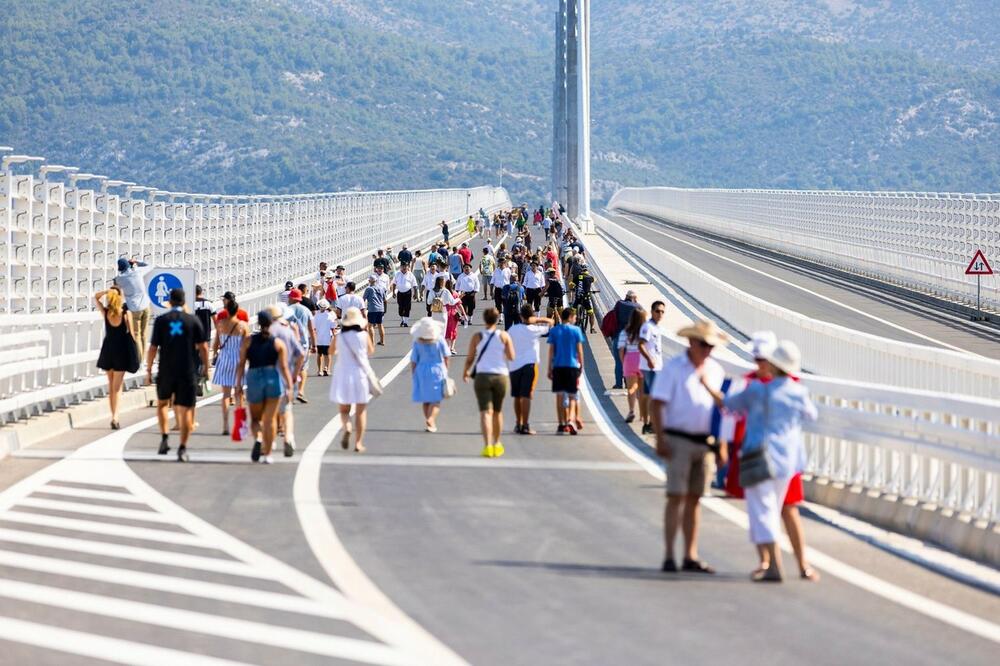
(122, 265)
(294, 296)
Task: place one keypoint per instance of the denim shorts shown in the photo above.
(262, 384)
(647, 380)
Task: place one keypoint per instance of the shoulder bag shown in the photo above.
(754, 465)
(374, 383)
(480, 354)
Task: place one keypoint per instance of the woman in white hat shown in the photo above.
(772, 449)
(429, 368)
(350, 386)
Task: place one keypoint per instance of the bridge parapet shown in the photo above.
(920, 241)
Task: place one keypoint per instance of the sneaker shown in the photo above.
(647, 429)
(255, 453)
(182, 454)
(498, 450)
(164, 446)
(487, 451)
(289, 449)
(570, 429)
(526, 430)
(562, 429)
(267, 460)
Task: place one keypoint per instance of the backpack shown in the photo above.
(437, 305)
(512, 298)
(610, 323)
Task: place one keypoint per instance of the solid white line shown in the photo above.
(102, 647)
(164, 557)
(485, 463)
(204, 623)
(90, 494)
(923, 605)
(173, 584)
(806, 290)
(93, 509)
(399, 628)
(110, 529)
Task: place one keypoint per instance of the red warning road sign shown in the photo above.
(979, 265)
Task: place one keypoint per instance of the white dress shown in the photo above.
(349, 384)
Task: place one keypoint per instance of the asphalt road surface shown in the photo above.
(548, 555)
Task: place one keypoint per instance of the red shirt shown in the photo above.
(466, 255)
(241, 314)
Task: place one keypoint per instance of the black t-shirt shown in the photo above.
(405, 257)
(310, 304)
(383, 262)
(175, 334)
(204, 312)
(444, 230)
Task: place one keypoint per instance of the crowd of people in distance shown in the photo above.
(683, 402)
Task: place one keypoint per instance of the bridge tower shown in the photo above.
(571, 111)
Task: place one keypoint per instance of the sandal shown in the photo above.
(630, 417)
(697, 566)
(809, 574)
(359, 448)
(766, 576)
(345, 439)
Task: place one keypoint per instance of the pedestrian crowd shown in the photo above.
(684, 402)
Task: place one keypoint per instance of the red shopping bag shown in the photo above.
(240, 425)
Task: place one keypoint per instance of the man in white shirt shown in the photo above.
(382, 278)
(349, 300)
(681, 407)
(650, 360)
(499, 280)
(534, 281)
(430, 279)
(403, 284)
(524, 367)
(468, 286)
(340, 281)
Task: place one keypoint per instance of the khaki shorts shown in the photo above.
(490, 390)
(689, 467)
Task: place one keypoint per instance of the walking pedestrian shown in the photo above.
(429, 369)
(374, 311)
(466, 253)
(534, 282)
(118, 351)
(439, 299)
(326, 325)
(350, 386)
(287, 331)
(650, 360)
(513, 298)
(303, 319)
(622, 316)
(565, 368)
(681, 409)
(444, 231)
(405, 256)
(226, 349)
(267, 378)
(763, 345)
(487, 264)
(404, 284)
(553, 293)
(456, 313)
(628, 358)
(348, 300)
(137, 303)
(490, 352)
(177, 338)
(524, 367)
(429, 285)
(468, 289)
(419, 271)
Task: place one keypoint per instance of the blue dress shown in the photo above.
(430, 374)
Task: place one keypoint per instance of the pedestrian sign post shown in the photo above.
(979, 267)
(159, 282)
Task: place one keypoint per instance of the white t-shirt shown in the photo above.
(383, 280)
(405, 281)
(348, 301)
(325, 321)
(467, 283)
(533, 279)
(430, 279)
(623, 342)
(501, 277)
(650, 333)
(688, 405)
(525, 338)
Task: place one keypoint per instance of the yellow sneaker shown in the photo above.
(497, 450)
(488, 451)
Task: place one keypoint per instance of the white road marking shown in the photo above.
(165, 557)
(204, 623)
(921, 604)
(109, 529)
(799, 287)
(93, 510)
(173, 584)
(485, 463)
(337, 562)
(86, 493)
(102, 647)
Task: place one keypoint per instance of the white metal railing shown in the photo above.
(918, 240)
(832, 350)
(932, 447)
(61, 242)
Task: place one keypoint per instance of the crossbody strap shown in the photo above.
(483, 350)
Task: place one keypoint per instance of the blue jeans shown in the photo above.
(619, 379)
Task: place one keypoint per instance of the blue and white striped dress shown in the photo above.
(229, 358)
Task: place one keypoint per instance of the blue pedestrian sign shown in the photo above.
(160, 281)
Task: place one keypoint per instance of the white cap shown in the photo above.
(762, 344)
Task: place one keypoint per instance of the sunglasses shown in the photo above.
(704, 345)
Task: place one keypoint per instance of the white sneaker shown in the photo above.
(267, 460)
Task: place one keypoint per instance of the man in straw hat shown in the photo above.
(681, 410)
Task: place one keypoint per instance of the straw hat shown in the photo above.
(323, 304)
(353, 317)
(427, 329)
(706, 331)
(762, 344)
(786, 357)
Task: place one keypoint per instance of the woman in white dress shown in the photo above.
(350, 386)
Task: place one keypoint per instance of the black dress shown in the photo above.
(118, 348)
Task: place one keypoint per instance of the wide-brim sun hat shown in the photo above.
(427, 329)
(706, 331)
(762, 344)
(323, 304)
(353, 317)
(786, 357)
